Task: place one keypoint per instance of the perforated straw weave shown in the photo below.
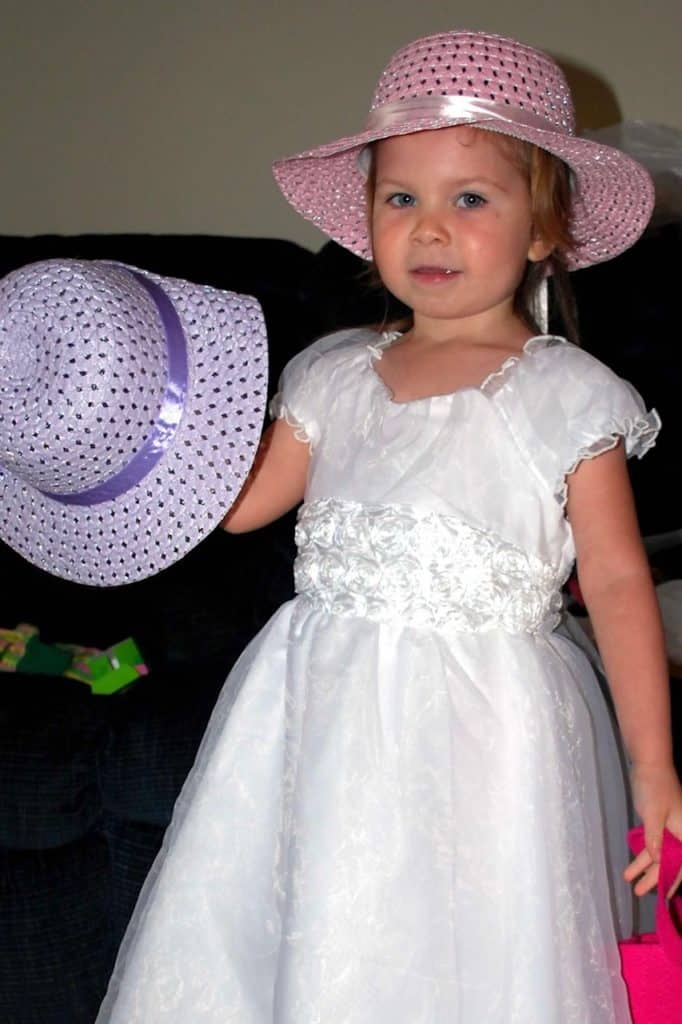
(84, 377)
(613, 195)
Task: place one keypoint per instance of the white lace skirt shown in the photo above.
(389, 824)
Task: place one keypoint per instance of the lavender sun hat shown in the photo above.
(131, 408)
(498, 85)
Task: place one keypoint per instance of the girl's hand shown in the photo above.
(658, 801)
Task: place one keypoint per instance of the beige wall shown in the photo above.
(162, 116)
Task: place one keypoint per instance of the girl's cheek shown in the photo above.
(391, 221)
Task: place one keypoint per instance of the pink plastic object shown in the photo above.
(652, 963)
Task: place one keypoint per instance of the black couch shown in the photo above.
(87, 784)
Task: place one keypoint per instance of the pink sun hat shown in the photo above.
(131, 407)
(498, 85)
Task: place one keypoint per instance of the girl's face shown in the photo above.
(451, 227)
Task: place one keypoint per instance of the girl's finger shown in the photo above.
(648, 881)
(644, 870)
(674, 887)
(638, 866)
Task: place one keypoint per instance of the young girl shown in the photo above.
(398, 813)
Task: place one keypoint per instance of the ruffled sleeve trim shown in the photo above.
(279, 411)
(496, 380)
(638, 433)
(301, 398)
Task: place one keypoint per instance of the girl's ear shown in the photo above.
(539, 250)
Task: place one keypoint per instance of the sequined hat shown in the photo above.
(131, 407)
(499, 85)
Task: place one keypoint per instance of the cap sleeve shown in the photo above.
(300, 397)
(577, 408)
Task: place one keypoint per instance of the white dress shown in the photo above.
(397, 815)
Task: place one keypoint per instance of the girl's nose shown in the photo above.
(429, 227)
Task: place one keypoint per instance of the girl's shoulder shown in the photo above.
(563, 405)
(560, 363)
(339, 347)
(319, 364)
(566, 380)
(314, 374)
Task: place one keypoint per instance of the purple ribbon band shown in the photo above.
(168, 420)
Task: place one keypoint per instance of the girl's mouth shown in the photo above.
(433, 275)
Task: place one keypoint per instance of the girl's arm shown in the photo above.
(615, 581)
(275, 484)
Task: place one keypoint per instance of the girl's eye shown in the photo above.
(470, 201)
(401, 199)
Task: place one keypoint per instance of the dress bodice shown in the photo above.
(480, 470)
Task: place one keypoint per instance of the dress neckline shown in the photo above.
(488, 385)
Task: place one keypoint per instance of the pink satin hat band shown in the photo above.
(455, 109)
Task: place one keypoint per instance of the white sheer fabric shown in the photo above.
(400, 812)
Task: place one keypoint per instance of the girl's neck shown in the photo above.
(507, 332)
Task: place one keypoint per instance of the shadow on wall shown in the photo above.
(596, 104)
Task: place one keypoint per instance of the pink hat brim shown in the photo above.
(612, 202)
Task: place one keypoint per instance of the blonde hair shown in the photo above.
(549, 185)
